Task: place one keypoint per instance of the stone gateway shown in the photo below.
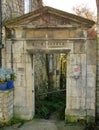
(52, 31)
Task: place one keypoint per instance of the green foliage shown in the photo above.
(54, 102)
(41, 109)
(6, 74)
(15, 120)
(91, 126)
(12, 76)
(71, 119)
(12, 121)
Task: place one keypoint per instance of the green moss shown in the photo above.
(13, 120)
(90, 119)
(70, 119)
(76, 119)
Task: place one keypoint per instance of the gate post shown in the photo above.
(81, 90)
(6, 105)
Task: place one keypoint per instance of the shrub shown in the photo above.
(49, 104)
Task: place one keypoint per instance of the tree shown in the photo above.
(97, 5)
(0, 34)
(84, 11)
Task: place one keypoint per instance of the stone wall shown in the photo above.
(34, 5)
(12, 8)
(16, 8)
(6, 105)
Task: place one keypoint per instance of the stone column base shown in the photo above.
(79, 115)
(6, 105)
(23, 112)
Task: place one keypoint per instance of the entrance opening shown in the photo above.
(50, 85)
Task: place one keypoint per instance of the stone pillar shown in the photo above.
(97, 72)
(76, 88)
(80, 94)
(18, 58)
(23, 92)
(30, 98)
(6, 105)
(91, 79)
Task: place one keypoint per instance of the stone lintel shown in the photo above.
(56, 50)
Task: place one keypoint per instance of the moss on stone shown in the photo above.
(70, 119)
(90, 119)
(75, 119)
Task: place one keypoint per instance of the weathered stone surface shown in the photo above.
(79, 47)
(91, 52)
(91, 82)
(69, 45)
(18, 47)
(6, 105)
(81, 83)
(8, 46)
(17, 57)
(20, 101)
(77, 112)
(18, 33)
(83, 65)
(91, 71)
(23, 112)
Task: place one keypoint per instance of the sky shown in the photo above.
(67, 5)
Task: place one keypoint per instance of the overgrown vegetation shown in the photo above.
(50, 103)
(12, 121)
(50, 86)
(92, 126)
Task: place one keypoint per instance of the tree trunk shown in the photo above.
(97, 4)
(97, 71)
(0, 34)
(49, 74)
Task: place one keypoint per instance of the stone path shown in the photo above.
(41, 124)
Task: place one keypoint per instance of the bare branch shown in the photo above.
(84, 11)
